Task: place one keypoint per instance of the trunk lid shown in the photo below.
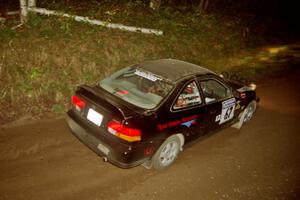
(99, 103)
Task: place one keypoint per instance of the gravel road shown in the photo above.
(43, 160)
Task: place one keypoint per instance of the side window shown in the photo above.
(189, 96)
(214, 91)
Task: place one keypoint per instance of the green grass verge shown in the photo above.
(42, 62)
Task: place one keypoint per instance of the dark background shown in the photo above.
(277, 13)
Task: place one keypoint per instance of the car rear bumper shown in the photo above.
(121, 155)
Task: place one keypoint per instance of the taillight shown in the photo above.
(123, 132)
(78, 103)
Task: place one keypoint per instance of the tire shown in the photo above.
(249, 111)
(167, 153)
(246, 116)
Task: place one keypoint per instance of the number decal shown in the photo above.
(227, 113)
(228, 107)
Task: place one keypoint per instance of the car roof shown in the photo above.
(173, 69)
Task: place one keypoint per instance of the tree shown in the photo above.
(202, 7)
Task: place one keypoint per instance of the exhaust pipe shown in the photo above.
(104, 159)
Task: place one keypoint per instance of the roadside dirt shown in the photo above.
(44, 160)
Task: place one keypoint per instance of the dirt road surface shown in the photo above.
(261, 161)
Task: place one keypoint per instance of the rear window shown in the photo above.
(138, 87)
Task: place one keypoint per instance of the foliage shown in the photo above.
(41, 63)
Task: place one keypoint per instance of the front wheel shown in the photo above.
(246, 116)
(249, 111)
(167, 153)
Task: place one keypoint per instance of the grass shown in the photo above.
(42, 62)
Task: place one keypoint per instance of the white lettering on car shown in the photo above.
(227, 110)
(147, 75)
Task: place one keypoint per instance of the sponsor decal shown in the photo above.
(122, 92)
(147, 75)
(191, 98)
(189, 123)
(238, 106)
(227, 113)
(185, 121)
(162, 126)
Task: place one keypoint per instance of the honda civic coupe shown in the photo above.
(147, 113)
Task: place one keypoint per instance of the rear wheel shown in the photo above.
(167, 153)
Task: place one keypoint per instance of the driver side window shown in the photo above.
(214, 91)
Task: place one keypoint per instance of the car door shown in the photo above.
(186, 111)
(220, 102)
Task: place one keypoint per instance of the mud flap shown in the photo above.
(148, 164)
(239, 124)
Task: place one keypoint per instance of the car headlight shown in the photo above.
(252, 86)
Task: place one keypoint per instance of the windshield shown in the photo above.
(137, 87)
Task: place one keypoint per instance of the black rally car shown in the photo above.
(146, 113)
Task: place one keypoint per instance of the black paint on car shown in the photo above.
(146, 113)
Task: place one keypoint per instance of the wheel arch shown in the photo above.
(168, 135)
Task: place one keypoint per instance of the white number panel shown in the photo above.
(227, 110)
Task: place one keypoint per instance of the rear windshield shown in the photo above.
(138, 87)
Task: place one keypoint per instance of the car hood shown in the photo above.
(234, 84)
(239, 86)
